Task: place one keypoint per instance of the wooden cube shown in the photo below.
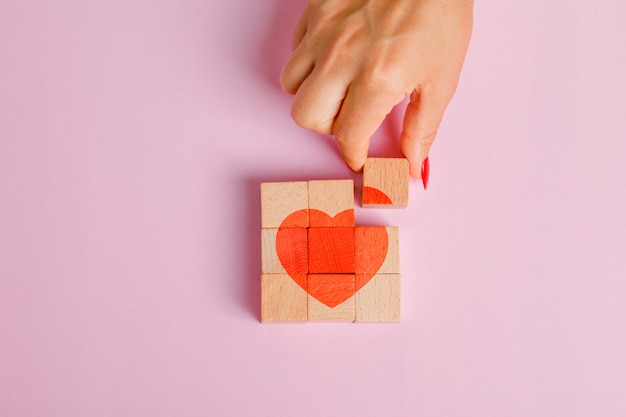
(385, 182)
(373, 243)
(379, 299)
(331, 297)
(284, 204)
(284, 250)
(331, 203)
(331, 250)
(282, 299)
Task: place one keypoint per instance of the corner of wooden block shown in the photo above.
(379, 299)
(284, 204)
(282, 299)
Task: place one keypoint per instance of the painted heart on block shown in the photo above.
(334, 250)
(373, 195)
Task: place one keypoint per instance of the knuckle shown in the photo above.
(423, 139)
(383, 75)
(285, 84)
(344, 133)
(309, 121)
(428, 138)
(340, 131)
(438, 91)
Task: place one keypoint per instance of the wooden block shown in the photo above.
(284, 251)
(284, 204)
(376, 244)
(331, 203)
(331, 250)
(379, 299)
(386, 182)
(282, 299)
(331, 297)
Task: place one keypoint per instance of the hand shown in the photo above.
(354, 60)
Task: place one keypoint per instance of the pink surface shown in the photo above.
(134, 135)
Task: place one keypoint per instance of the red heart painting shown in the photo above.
(373, 195)
(333, 249)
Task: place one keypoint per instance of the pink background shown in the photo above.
(133, 138)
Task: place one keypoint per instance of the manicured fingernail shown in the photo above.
(425, 172)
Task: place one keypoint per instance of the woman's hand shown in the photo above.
(354, 60)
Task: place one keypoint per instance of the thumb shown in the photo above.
(421, 122)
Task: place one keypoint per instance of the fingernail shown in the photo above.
(425, 172)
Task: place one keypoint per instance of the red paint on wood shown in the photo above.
(331, 289)
(371, 244)
(318, 218)
(373, 195)
(331, 250)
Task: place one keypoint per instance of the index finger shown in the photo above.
(362, 112)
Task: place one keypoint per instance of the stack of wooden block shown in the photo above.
(316, 264)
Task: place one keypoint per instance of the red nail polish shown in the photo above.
(425, 172)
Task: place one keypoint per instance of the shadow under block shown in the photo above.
(284, 251)
(379, 299)
(385, 182)
(331, 250)
(281, 199)
(331, 203)
(372, 243)
(282, 299)
(331, 297)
